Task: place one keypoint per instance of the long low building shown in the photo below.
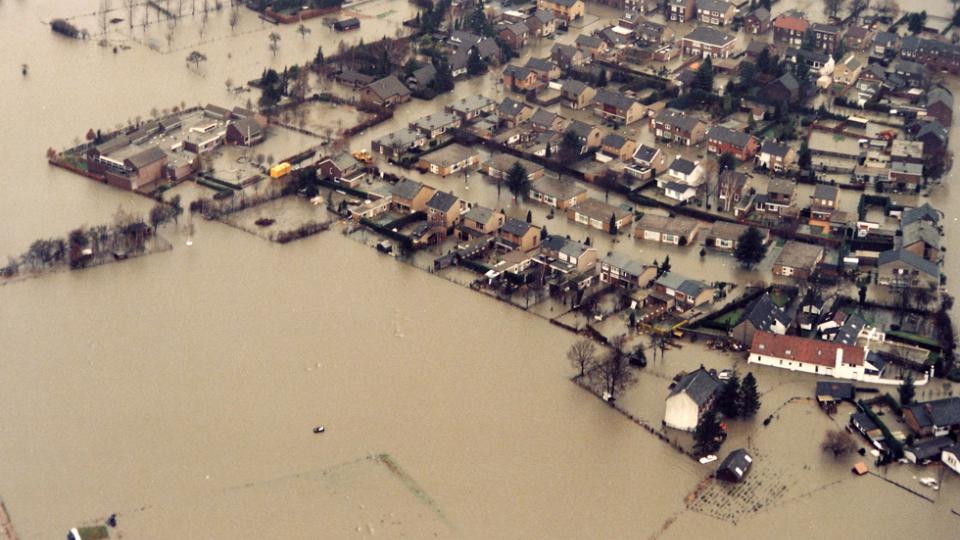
(676, 230)
(600, 215)
(816, 356)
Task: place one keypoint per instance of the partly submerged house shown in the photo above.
(692, 395)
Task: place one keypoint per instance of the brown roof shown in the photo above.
(791, 23)
(810, 351)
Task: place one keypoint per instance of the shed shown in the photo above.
(735, 466)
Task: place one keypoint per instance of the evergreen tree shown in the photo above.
(704, 78)
(318, 60)
(475, 64)
(602, 79)
(613, 224)
(707, 432)
(749, 397)
(804, 157)
(517, 180)
(907, 390)
(750, 248)
(728, 402)
(543, 233)
(529, 216)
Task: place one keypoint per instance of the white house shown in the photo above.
(827, 358)
(691, 396)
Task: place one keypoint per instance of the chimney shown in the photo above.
(839, 358)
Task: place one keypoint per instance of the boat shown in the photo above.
(319, 429)
(930, 483)
(708, 459)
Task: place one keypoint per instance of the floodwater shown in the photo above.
(180, 390)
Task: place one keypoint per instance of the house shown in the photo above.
(520, 79)
(518, 235)
(623, 271)
(723, 140)
(933, 418)
(757, 21)
(354, 79)
(568, 56)
(797, 260)
(450, 159)
(617, 107)
(690, 397)
(144, 167)
(934, 138)
(858, 38)
(708, 42)
(776, 157)
(725, 235)
(763, 315)
(823, 203)
(676, 230)
(643, 8)
(940, 106)
(370, 208)
(499, 167)
(471, 107)
(617, 146)
(925, 451)
(598, 214)
(651, 33)
(568, 255)
(386, 92)
(588, 135)
(816, 356)
(779, 196)
(784, 89)
(480, 221)
(829, 393)
(564, 10)
(576, 94)
(435, 125)
(885, 45)
(673, 125)
(680, 10)
(685, 293)
(685, 171)
(238, 112)
(245, 132)
(901, 268)
(545, 120)
(512, 112)
(592, 45)
(790, 28)
(648, 157)
(912, 72)
(342, 169)
(408, 196)
(421, 78)
(560, 194)
(545, 69)
(514, 35)
(443, 210)
(715, 12)
(735, 466)
(397, 144)
(542, 23)
(950, 456)
(826, 37)
(921, 238)
(730, 186)
(847, 70)
(923, 213)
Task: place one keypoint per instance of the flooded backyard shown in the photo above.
(179, 390)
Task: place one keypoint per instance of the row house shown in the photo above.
(435, 125)
(885, 45)
(858, 38)
(778, 198)
(776, 157)
(680, 10)
(592, 45)
(676, 230)
(556, 193)
(542, 23)
(622, 271)
(617, 107)
(395, 145)
(651, 33)
(708, 42)
(576, 94)
(568, 256)
(600, 215)
(564, 10)
(797, 260)
(518, 235)
(520, 79)
(673, 125)
(515, 35)
(408, 196)
(480, 221)
(568, 56)
(685, 293)
(443, 210)
(826, 37)
(936, 55)
(715, 12)
(471, 107)
(790, 28)
(808, 355)
(722, 140)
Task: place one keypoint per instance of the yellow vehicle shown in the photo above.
(280, 169)
(363, 156)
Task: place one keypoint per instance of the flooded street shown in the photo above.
(180, 390)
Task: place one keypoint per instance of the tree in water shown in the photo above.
(907, 390)
(708, 433)
(195, 57)
(728, 402)
(517, 180)
(838, 442)
(614, 371)
(582, 356)
(274, 42)
(750, 248)
(749, 397)
(303, 31)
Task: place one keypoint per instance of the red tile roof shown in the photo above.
(791, 23)
(800, 349)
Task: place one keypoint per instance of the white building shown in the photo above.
(826, 358)
(691, 396)
(950, 457)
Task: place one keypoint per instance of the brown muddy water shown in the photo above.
(179, 390)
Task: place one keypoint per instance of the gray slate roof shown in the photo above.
(442, 201)
(909, 259)
(940, 412)
(710, 36)
(700, 385)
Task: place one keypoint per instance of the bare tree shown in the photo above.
(103, 17)
(274, 42)
(303, 31)
(858, 6)
(195, 57)
(614, 373)
(229, 84)
(838, 442)
(832, 7)
(234, 19)
(130, 4)
(582, 355)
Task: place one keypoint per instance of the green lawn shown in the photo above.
(914, 338)
(730, 319)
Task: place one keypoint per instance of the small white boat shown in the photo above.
(319, 429)
(708, 459)
(930, 483)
